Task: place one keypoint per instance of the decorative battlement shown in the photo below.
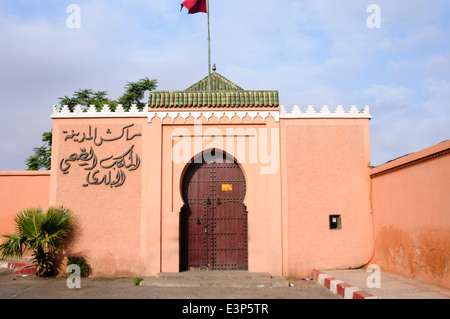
(325, 112)
(91, 111)
(310, 112)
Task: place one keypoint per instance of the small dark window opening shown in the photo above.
(335, 222)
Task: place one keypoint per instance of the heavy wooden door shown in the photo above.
(213, 227)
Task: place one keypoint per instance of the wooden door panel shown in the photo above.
(230, 236)
(214, 220)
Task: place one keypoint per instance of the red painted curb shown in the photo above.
(327, 282)
(315, 274)
(15, 265)
(341, 287)
(25, 271)
(22, 268)
(361, 295)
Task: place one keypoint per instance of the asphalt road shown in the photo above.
(119, 296)
(16, 287)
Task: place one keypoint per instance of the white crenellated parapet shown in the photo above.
(325, 112)
(91, 111)
(106, 112)
(296, 112)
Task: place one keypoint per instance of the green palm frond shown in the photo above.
(57, 221)
(28, 221)
(38, 231)
(12, 247)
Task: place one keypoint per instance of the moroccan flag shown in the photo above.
(195, 6)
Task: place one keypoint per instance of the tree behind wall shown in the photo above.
(41, 159)
(134, 93)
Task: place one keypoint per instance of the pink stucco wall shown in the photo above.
(325, 171)
(134, 229)
(20, 190)
(317, 168)
(108, 216)
(119, 176)
(410, 199)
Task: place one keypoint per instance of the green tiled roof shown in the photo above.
(218, 83)
(213, 98)
(223, 93)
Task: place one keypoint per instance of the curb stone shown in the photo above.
(339, 287)
(19, 267)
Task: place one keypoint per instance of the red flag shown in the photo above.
(195, 6)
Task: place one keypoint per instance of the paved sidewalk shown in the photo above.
(352, 284)
(18, 287)
(328, 284)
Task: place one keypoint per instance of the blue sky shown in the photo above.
(315, 52)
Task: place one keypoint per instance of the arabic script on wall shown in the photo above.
(110, 170)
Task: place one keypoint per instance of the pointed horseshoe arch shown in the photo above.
(213, 221)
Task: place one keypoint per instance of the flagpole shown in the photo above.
(209, 48)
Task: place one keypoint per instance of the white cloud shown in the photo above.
(407, 120)
(313, 51)
(385, 95)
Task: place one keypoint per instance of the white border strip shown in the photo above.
(348, 294)
(325, 112)
(321, 279)
(219, 114)
(333, 285)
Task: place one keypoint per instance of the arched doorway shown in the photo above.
(213, 222)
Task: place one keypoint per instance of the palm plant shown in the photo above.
(40, 233)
